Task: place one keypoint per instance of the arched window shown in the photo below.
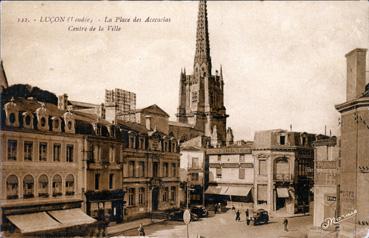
(57, 185)
(69, 185)
(43, 188)
(12, 187)
(28, 187)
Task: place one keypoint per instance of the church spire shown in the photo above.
(202, 54)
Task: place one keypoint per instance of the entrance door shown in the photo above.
(155, 199)
(117, 211)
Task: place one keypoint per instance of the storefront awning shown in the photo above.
(220, 190)
(282, 193)
(34, 222)
(73, 217)
(239, 191)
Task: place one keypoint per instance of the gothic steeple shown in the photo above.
(202, 60)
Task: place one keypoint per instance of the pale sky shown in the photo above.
(283, 62)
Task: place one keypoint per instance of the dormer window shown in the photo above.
(43, 121)
(27, 120)
(282, 139)
(56, 124)
(69, 122)
(11, 112)
(42, 117)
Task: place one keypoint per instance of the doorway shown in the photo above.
(155, 199)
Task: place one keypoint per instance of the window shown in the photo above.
(70, 153)
(141, 196)
(57, 185)
(142, 143)
(28, 151)
(12, 118)
(12, 150)
(282, 139)
(195, 163)
(97, 181)
(194, 96)
(165, 170)
(131, 169)
(263, 167)
(56, 152)
(219, 158)
(43, 151)
(131, 142)
(155, 169)
(27, 120)
(131, 197)
(174, 170)
(12, 187)
(69, 185)
(165, 194)
(28, 186)
(219, 172)
(173, 194)
(242, 158)
(111, 181)
(43, 186)
(195, 176)
(43, 121)
(262, 193)
(56, 123)
(241, 174)
(141, 169)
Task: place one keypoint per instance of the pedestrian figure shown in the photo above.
(215, 208)
(233, 208)
(285, 223)
(141, 231)
(238, 215)
(247, 217)
(219, 207)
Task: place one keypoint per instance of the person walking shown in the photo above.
(238, 215)
(247, 217)
(215, 208)
(285, 223)
(141, 231)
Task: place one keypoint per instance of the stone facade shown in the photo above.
(41, 160)
(354, 170)
(284, 163)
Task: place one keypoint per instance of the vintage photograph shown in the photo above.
(184, 119)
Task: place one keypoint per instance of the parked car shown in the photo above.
(178, 215)
(200, 211)
(260, 217)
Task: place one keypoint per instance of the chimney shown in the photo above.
(356, 64)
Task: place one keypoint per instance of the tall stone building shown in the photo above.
(354, 172)
(201, 94)
(117, 102)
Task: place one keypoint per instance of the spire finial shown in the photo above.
(202, 54)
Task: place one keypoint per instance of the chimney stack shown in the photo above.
(356, 65)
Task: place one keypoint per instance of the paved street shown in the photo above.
(224, 225)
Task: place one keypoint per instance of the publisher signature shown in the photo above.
(337, 220)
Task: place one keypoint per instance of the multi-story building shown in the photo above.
(41, 179)
(284, 163)
(201, 109)
(231, 175)
(118, 102)
(3, 79)
(354, 169)
(326, 178)
(193, 170)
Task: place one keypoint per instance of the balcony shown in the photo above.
(282, 177)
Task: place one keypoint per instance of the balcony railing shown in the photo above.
(282, 177)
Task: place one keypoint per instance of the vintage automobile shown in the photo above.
(200, 211)
(178, 215)
(260, 217)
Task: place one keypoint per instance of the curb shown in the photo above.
(134, 228)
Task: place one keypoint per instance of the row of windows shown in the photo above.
(241, 173)
(28, 148)
(168, 195)
(98, 178)
(137, 169)
(166, 146)
(12, 186)
(241, 158)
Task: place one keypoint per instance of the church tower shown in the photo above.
(201, 94)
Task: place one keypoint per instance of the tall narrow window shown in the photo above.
(43, 186)
(195, 163)
(28, 187)
(131, 169)
(155, 169)
(70, 153)
(241, 174)
(28, 151)
(263, 167)
(12, 187)
(56, 152)
(69, 185)
(219, 172)
(57, 185)
(43, 151)
(111, 181)
(174, 170)
(165, 194)
(141, 169)
(165, 169)
(173, 194)
(131, 197)
(97, 181)
(12, 150)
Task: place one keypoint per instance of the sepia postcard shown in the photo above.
(193, 119)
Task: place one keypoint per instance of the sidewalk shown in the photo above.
(119, 228)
